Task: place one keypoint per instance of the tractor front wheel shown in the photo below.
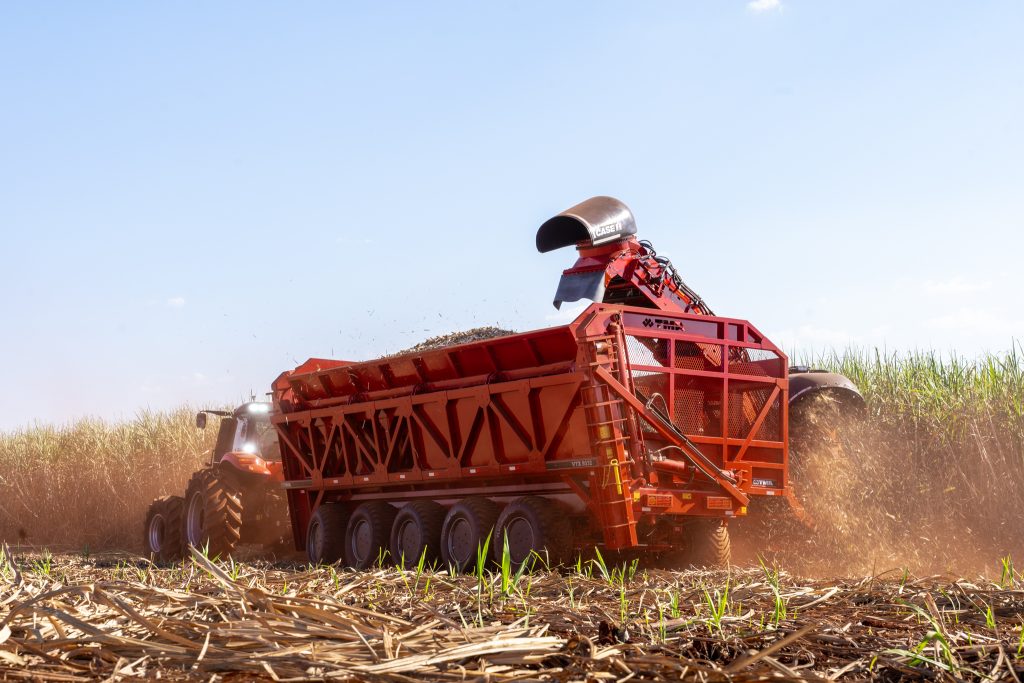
(213, 513)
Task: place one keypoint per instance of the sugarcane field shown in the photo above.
(567, 342)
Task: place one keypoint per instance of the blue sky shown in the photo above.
(196, 196)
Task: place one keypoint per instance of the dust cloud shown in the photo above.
(884, 500)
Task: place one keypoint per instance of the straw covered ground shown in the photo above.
(113, 617)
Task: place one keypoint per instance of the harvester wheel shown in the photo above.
(416, 533)
(532, 523)
(163, 529)
(368, 533)
(710, 545)
(466, 528)
(325, 539)
(213, 513)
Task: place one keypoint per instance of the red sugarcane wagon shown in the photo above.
(645, 424)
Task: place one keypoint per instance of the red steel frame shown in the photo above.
(551, 412)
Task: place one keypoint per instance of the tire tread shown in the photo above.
(222, 511)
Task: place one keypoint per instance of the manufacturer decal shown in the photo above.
(603, 230)
(663, 324)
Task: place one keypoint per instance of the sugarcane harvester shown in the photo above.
(643, 426)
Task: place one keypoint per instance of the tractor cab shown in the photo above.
(235, 499)
(245, 430)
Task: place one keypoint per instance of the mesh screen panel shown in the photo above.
(746, 400)
(698, 405)
(698, 356)
(757, 362)
(647, 351)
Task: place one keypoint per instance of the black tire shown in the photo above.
(467, 526)
(368, 534)
(710, 545)
(212, 518)
(325, 536)
(533, 524)
(162, 538)
(416, 533)
(269, 525)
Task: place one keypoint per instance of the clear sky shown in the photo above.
(194, 197)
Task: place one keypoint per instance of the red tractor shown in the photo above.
(235, 499)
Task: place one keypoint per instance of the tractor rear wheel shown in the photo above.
(213, 513)
(467, 526)
(532, 524)
(325, 538)
(162, 538)
(416, 533)
(368, 533)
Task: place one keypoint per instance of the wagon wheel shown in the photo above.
(703, 543)
(467, 527)
(416, 533)
(325, 538)
(532, 524)
(709, 544)
(368, 534)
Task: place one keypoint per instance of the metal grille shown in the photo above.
(698, 356)
(647, 351)
(746, 400)
(698, 406)
(758, 362)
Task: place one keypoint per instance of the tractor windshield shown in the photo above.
(258, 437)
(267, 439)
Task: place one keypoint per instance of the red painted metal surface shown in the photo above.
(254, 464)
(640, 416)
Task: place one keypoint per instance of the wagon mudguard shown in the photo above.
(805, 383)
